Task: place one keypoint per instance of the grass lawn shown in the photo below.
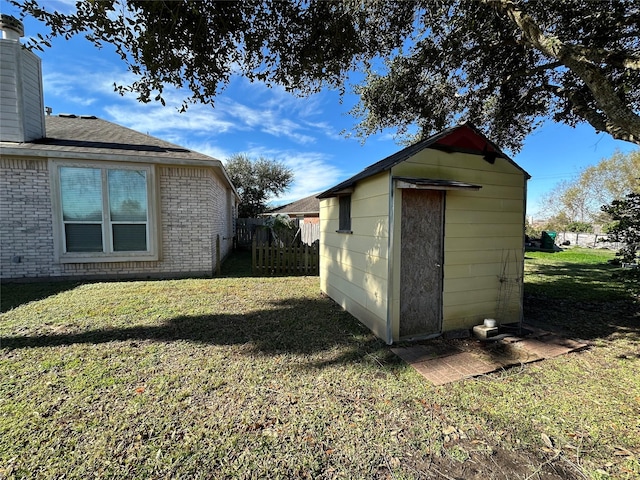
(240, 377)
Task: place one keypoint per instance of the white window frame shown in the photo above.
(108, 255)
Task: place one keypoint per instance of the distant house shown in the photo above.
(306, 215)
(429, 239)
(81, 197)
(306, 209)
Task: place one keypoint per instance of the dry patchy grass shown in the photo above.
(267, 378)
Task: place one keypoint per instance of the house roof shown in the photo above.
(464, 138)
(91, 138)
(303, 206)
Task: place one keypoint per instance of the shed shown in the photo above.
(428, 240)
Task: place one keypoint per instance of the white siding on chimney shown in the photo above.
(21, 99)
(32, 96)
(10, 130)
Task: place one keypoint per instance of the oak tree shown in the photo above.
(256, 182)
(626, 229)
(504, 65)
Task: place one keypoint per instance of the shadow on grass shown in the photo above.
(593, 282)
(13, 295)
(295, 326)
(237, 264)
(581, 320)
(583, 300)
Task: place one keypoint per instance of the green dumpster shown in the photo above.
(548, 240)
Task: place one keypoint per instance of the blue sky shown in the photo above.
(303, 133)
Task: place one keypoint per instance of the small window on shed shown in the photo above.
(344, 223)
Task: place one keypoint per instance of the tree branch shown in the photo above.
(536, 69)
(581, 107)
(619, 117)
(616, 59)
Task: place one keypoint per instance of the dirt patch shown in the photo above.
(494, 462)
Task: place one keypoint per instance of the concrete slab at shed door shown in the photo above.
(421, 263)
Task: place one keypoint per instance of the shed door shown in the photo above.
(421, 262)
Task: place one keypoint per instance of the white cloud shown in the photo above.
(156, 119)
(327, 129)
(271, 122)
(64, 87)
(312, 172)
(281, 113)
(276, 113)
(228, 115)
(207, 148)
(167, 121)
(69, 5)
(278, 98)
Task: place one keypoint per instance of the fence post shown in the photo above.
(276, 258)
(287, 260)
(254, 258)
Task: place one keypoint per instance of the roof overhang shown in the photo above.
(23, 150)
(433, 184)
(11, 149)
(464, 138)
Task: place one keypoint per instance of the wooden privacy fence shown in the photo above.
(249, 228)
(285, 260)
(245, 231)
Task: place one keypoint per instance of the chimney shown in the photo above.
(21, 98)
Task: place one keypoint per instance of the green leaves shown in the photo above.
(257, 181)
(502, 65)
(626, 227)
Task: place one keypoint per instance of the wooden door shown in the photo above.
(421, 260)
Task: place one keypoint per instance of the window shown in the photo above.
(344, 222)
(104, 213)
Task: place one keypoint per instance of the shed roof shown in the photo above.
(464, 138)
(306, 205)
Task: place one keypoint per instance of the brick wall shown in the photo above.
(26, 230)
(193, 211)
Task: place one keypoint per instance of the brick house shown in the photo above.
(81, 197)
(307, 210)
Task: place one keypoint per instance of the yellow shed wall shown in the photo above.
(354, 267)
(483, 237)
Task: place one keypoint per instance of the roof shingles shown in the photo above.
(307, 205)
(93, 136)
